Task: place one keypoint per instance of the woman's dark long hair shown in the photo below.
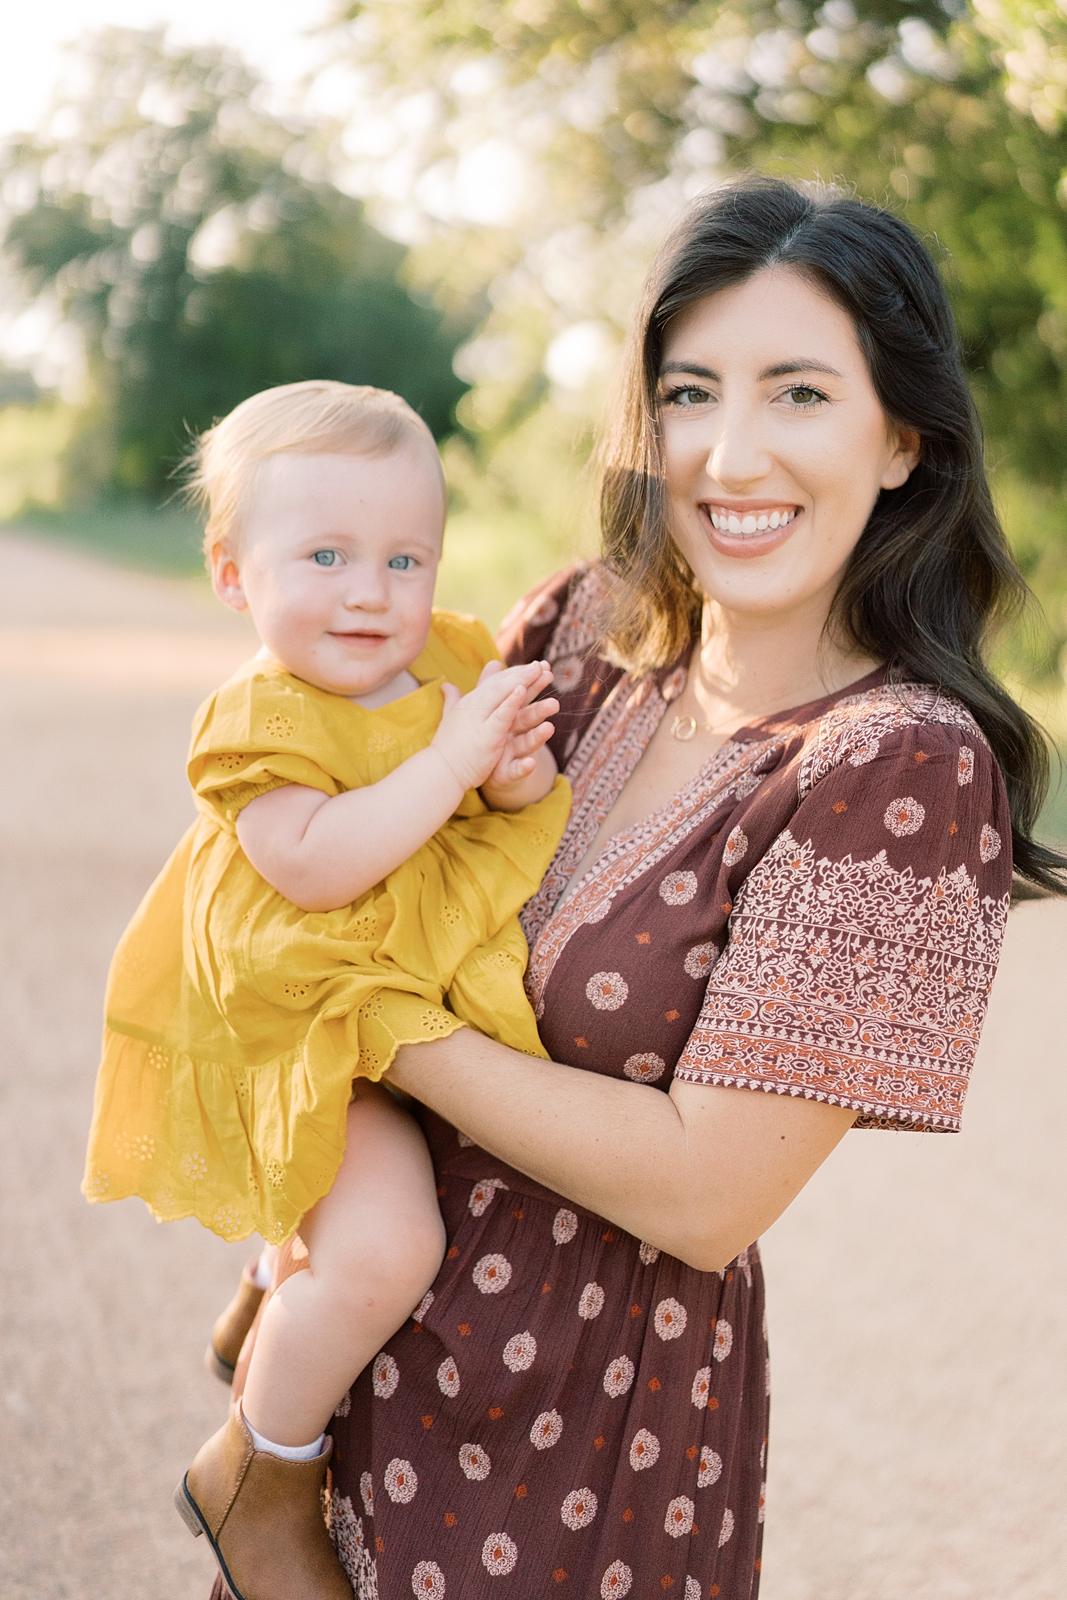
(931, 573)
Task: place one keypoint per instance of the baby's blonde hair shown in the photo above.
(319, 416)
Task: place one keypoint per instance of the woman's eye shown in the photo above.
(686, 396)
(805, 397)
(402, 563)
(327, 558)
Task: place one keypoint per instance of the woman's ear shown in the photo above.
(226, 579)
(904, 459)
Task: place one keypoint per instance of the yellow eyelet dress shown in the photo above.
(235, 1022)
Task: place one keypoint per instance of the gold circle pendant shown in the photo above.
(683, 728)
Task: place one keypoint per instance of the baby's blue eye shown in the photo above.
(326, 558)
(402, 563)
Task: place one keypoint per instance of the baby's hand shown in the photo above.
(530, 731)
(475, 730)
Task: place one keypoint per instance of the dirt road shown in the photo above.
(917, 1288)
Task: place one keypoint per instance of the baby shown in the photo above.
(376, 802)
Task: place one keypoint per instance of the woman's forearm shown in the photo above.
(700, 1172)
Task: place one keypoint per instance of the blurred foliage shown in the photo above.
(612, 113)
(197, 243)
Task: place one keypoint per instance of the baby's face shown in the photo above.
(336, 563)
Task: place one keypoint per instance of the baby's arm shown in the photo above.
(323, 851)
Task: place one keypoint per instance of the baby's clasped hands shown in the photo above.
(492, 738)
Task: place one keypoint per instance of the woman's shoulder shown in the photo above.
(559, 617)
(888, 722)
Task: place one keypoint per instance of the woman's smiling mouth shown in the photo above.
(751, 528)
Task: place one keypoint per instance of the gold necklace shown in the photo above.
(684, 728)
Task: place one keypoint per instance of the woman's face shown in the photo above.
(775, 443)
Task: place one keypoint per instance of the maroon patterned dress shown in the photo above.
(818, 912)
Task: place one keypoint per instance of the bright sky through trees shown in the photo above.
(270, 34)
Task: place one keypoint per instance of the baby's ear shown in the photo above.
(226, 578)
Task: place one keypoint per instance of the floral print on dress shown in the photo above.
(647, 1254)
(499, 1555)
(520, 1352)
(474, 1462)
(616, 1582)
(546, 1430)
(904, 816)
(346, 1531)
(400, 1481)
(701, 1391)
(736, 847)
(678, 888)
(419, 1313)
(989, 844)
(428, 1581)
(591, 1302)
(646, 1067)
(618, 1377)
(579, 1509)
(385, 1376)
(607, 991)
(564, 1226)
(726, 1531)
(483, 1194)
(724, 1339)
(644, 1451)
(366, 1492)
(670, 1319)
(842, 906)
(679, 1518)
(492, 1273)
(448, 1378)
(710, 1468)
(701, 959)
(965, 766)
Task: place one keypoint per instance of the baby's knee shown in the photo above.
(391, 1268)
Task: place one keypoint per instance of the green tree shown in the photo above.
(198, 244)
(614, 112)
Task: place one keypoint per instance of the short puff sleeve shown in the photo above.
(864, 941)
(257, 733)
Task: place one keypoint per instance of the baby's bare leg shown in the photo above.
(375, 1244)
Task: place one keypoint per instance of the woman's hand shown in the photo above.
(700, 1172)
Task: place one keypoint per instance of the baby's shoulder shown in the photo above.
(263, 707)
(457, 649)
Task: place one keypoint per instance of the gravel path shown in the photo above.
(917, 1288)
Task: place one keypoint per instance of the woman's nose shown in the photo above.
(738, 457)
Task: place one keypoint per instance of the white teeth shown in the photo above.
(751, 522)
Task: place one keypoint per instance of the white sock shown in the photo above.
(288, 1452)
(263, 1276)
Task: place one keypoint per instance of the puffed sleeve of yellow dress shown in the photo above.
(235, 1022)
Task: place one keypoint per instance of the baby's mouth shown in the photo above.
(745, 524)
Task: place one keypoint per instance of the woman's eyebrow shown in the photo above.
(788, 369)
(781, 369)
(692, 367)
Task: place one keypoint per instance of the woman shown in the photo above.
(798, 791)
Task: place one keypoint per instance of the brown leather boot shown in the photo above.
(263, 1518)
(231, 1330)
